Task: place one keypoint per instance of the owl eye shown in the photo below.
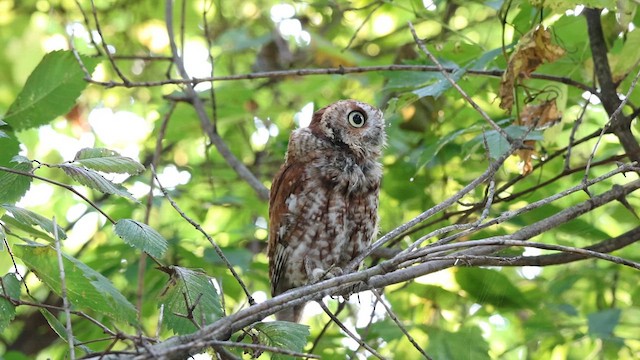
(356, 118)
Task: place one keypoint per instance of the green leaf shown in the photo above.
(109, 161)
(95, 181)
(14, 186)
(189, 289)
(13, 224)
(602, 323)
(9, 144)
(498, 145)
(284, 335)
(61, 330)
(141, 236)
(29, 218)
(86, 288)
(467, 343)
(433, 150)
(487, 286)
(9, 286)
(629, 56)
(50, 91)
(440, 86)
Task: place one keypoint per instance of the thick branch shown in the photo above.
(605, 246)
(620, 124)
(384, 274)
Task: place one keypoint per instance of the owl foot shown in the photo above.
(317, 274)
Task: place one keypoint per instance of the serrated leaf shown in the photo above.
(141, 236)
(50, 91)
(602, 323)
(109, 161)
(29, 218)
(59, 328)
(283, 334)
(95, 181)
(87, 289)
(9, 286)
(14, 186)
(188, 288)
(488, 286)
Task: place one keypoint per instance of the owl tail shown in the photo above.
(292, 314)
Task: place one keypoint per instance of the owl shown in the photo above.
(323, 205)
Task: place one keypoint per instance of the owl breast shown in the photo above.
(333, 217)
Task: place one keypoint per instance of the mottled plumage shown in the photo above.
(323, 207)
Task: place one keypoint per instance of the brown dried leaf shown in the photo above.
(542, 116)
(526, 155)
(533, 49)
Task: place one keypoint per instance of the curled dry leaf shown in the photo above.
(540, 117)
(533, 49)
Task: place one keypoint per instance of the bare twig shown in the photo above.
(65, 186)
(142, 264)
(63, 292)
(106, 46)
(211, 241)
(205, 123)
(399, 324)
(377, 6)
(633, 155)
(349, 332)
(574, 129)
(342, 70)
(455, 85)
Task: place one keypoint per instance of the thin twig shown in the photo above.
(366, 19)
(85, 18)
(508, 240)
(106, 46)
(211, 241)
(65, 186)
(348, 332)
(316, 341)
(455, 85)
(399, 324)
(205, 123)
(342, 70)
(613, 116)
(63, 293)
(574, 129)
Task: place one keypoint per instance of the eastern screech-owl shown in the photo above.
(323, 206)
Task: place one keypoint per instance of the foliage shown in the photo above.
(152, 180)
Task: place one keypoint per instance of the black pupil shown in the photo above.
(357, 119)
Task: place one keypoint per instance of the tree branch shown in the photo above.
(620, 124)
(205, 122)
(381, 275)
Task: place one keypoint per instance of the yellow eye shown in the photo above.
(356, 118)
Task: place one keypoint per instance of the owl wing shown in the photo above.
(288, 181)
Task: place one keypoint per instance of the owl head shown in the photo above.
(352, 125)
